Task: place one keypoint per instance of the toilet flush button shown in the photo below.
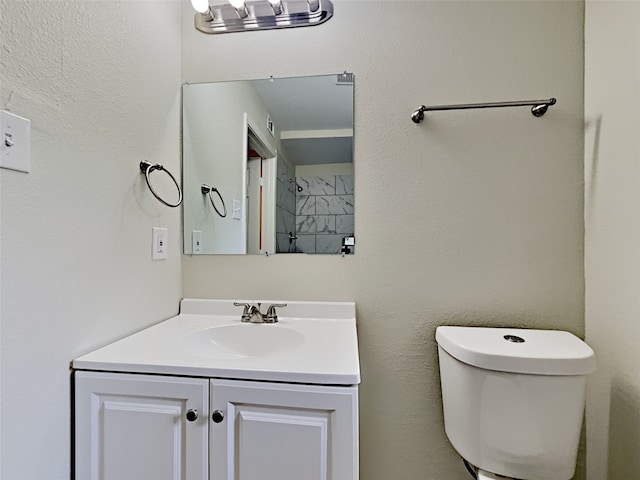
(513, 339)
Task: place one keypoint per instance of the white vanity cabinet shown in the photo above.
(273, 431)
(140, 427)
(205, 396)
(156, 427)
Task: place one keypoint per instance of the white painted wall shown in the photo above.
(100, 82)
(472, 217)
(488, 229)
(612, 256)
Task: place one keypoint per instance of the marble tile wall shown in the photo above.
(324, 213)
(285, 208)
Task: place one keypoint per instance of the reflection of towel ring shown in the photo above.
(207, 189)
(147, 168)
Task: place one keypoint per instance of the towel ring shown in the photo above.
(147, 168)
(206, 189)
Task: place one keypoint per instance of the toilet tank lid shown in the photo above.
(516, 350)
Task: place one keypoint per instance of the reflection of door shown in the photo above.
(260, 194)
(254, 202)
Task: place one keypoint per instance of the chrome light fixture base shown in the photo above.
(262, 16)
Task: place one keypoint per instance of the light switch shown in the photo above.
(15, 142)
(159, 243)
(196, 241)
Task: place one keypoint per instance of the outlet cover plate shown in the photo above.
(159, 243)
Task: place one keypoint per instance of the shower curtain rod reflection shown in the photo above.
(538, 107)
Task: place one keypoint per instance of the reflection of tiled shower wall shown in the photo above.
(324, 213)
(285, 207)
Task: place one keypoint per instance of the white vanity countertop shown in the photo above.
(313, 342)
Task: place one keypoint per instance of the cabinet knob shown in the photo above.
(217, 416)
(192, 415)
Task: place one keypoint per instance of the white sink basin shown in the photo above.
(313, 343)
(256, 340)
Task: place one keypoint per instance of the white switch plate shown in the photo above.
(235, 211)
(15, 142)
(196, 241)
(159, 243)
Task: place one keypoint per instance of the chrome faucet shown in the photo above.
(272, 316)
(246, 316)
(255, 315)
(252, 314)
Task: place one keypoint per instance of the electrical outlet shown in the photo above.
(159, 243)
(196, 241)
(235, 211)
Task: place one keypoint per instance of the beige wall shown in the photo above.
(100, 82)
(612, 257)
(472, 217)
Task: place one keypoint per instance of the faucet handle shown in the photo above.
(272, 316)
(246, 316)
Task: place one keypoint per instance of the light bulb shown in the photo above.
(237, 4)
(240, 7)
(201, 6)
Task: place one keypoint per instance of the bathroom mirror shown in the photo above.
(268, 166)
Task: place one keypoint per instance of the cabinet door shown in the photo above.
(276, 431)
(138, 427)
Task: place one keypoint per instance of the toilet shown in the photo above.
(513, 399)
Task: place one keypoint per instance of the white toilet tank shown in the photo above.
(514, 398)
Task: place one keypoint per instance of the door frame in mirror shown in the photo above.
(269, 156)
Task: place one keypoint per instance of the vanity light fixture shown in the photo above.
(241, 16)
(276, 5)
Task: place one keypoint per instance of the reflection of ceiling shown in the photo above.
(302, 108)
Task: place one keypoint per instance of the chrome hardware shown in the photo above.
(192, 415)
(541, 109)
(146, 168)
(255, 315)
(217, 416)
(259, 15)
(207, 190)
(252, 313)
(538, 107)
(272, 316)
(513, 339)
(246, 316)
